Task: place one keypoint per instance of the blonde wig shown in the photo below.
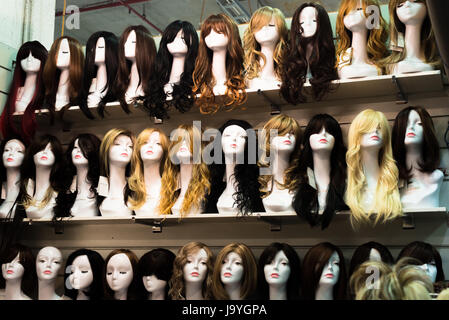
(397, 31)
(377, 37)
(284, 125)
(387, 204)
(203, 78)
(176, 283)
(199, 185)
(136, 181)
(363, 274)
(249, 278)
(253, 54)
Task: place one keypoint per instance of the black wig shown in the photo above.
(362, 254)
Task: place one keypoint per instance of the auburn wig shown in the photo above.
(362, 254)
(136, 181)
(260, 18)
(305, 201)
(28, 126)
(145, 59)
(377, 36)
(387, 204)
(322, 60)
(183, 99)
(203, 78)
(91, 69)
(430, 150)
(313, 264)
(132, 289)
(199, 185)
(177, 286)
(249, 277)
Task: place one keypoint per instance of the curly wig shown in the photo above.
(132, 289)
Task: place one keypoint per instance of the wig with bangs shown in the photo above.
(387, 204)
(136, 181)
(199, 185)
(377, 36)
(262, 17)
(203, 78)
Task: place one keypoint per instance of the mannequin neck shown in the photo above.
(152, 176)
(134, 77)
(64, 81)
(370, 163)
(280, 164)
(268, 68)
(157, 295)
(194, 291)
(278, 292)
(82, 295)
(12, 183)
(13, 290)
(230, 179)
(233, 290)
(309, 51)
(121, 294)
(186, 175)
(219, 66)
(102, 77)
(413, 42)
(322, 168)
(359, 46)
(47, 290)
(29, 87)
(413, 156)
(177, 68)
(324, 292)
(82, 185)
(117, 180)
(42, 180)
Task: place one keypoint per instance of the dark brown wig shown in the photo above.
(362, 253)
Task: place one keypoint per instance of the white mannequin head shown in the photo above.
(372, 140)
(100, 51)
(153, 283)
(152, 149)
(414, 132)
(13, 154)
(322, 141)
(195, 269)
(374, 255)
(183, 154)
(231, 269)
(284, 144)
(119, 272)
(355, 20)
(13, 270)
(81, 276)
(121, 151)
(268, 34)
(178, 47)
(78, 158)
(216, 41)
(411, 12)
(331, 271)
(278, 271)
(48, 263)
(233, 140)
(308, 21)
(30, 64)
(44, 158)
(130, 46)
(63, 59)
(431, 270)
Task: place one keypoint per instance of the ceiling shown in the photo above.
(159, 12)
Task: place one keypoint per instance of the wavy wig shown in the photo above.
(203, 78)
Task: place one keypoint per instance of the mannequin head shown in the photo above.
(319, 262)
(13, 154)
(84, 271)
(121, 274)
(193, 263)
(155, 269)
(279, 266)
(413, 128)
(48, 263)
(151, 147)
(223, 28)
(370, 251)
(30, 55)
(235, 265)
(370, 123)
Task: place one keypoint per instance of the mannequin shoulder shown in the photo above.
(437, 176)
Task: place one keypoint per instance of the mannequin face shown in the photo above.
(44, 158)
(119, 272)
(130, 46)
(48, 263)
(216, 41)
(268, 34)
(355, 20)
(100, 51)
(372, 139)
(195, 269)
(183, 154)
(414, 132)
(81, 276)
(153, 283)
(374, 255)
(308, 21)
(178, 46)
(233, 140)
(232, 269)
(284, 144)
(13, 154)
(78, 157)
(331, 270)
(322, 141)
(278, 271)
(30, 64)
(411, 12)
(431, 270)
(121, 150)
(152, 149)
(63, 60)
(13, 270)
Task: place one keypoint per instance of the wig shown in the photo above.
(96, 262)
(363, 275)
(203, 78)
(312, 267)
(249, 277)
(132, 289)
(262, 17)
(28, 126)
(426, 254)
(430, 150)
(199, 185)
(145, 59)
(294, 262)
(176, 284)
(397, 30)
(284, 125)
(52, 73)
(91, 69)
(305, 201)
(377, 36)
(183, 99)
(387, 204)
(362, 254)
(321, 62)
(247, 196)
(157, 262)
(136, 182)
